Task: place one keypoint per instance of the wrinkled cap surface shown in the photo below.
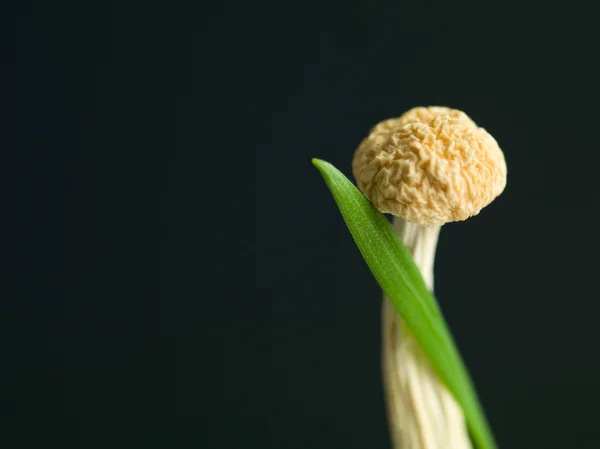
(430, 173)
(420, 115)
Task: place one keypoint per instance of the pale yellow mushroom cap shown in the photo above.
(430, 173)
(420, 115)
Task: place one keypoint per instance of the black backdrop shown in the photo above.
(183, 277)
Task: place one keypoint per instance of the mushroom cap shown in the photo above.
(420, 114)
(430, 173)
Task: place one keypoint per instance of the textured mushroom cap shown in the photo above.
(420, 115)
(431, 173)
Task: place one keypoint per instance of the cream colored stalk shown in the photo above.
(422, 412)
(428, 167)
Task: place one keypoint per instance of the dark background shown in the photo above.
(179, 275)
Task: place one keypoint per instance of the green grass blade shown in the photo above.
(394, 269)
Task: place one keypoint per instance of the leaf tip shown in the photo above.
(317, 162)
(321, 165)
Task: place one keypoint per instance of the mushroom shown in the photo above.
(428, 167)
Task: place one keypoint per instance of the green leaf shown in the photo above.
(394, 269)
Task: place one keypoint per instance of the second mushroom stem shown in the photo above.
(422, 413)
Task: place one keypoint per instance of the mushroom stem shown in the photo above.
(422, 413)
